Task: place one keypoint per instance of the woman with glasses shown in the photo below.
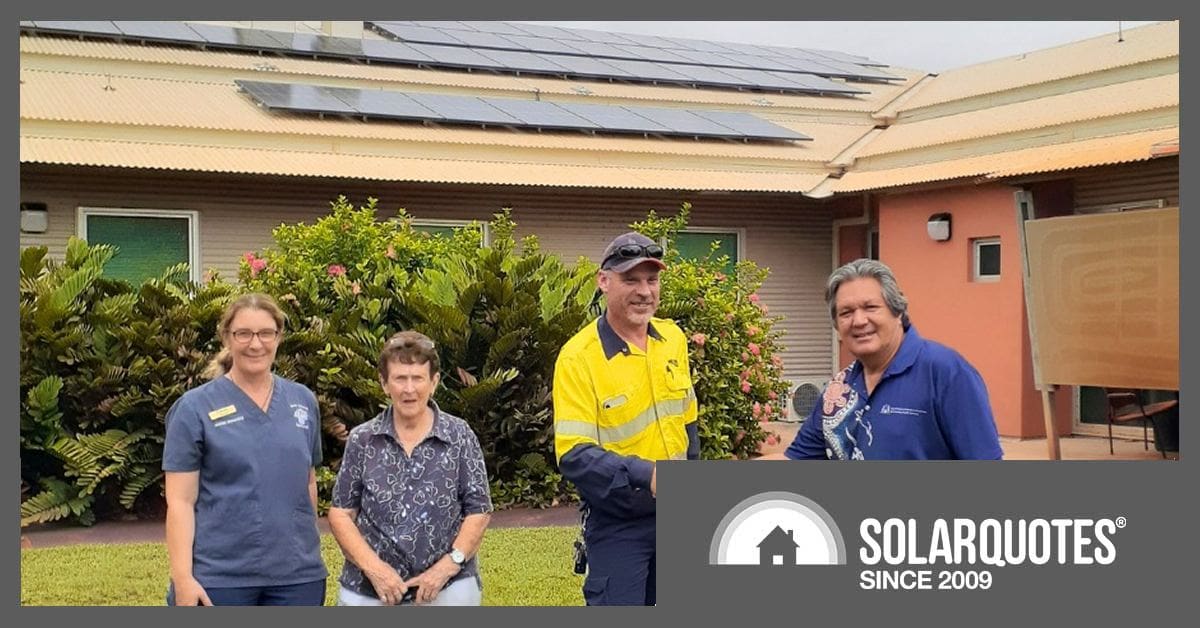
(240, 457)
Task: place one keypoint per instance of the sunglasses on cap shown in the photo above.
(634, 251)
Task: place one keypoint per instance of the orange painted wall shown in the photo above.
(984, 321)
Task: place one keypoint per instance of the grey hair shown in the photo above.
(863, 268)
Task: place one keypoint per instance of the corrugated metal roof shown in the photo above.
(1146, 43)
(82, 152)
(127, 101)
(286, 68)
(1054, 157)
(1090, 104)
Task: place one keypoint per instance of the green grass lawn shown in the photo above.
(519, 567)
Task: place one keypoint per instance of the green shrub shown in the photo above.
(101, 363)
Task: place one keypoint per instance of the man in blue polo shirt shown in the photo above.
(903, 397)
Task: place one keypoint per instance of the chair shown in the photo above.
(1129, 404)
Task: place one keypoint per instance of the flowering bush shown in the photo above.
(733, 347)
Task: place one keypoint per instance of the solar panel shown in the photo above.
(702, 75)
(853, 70)
(814, 83)
(158, 31)
(588, 66)
(296, 97)
(647, 40)
(703, 57)
(245, 38)
(599, 49)
(422, 34)
(603, 37)
(392, 51)
(542, 44)
(483, 40)
(750, 125)
(500, 28)
(654, 54)
(683, 122)
(521, 60)
(456, 56)
(447, 24)
(81, 27)
(540, 114)
(383, 104)
(463, 109)
(614, 118)
(648, 70)
(552, 32)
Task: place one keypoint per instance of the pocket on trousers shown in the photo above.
(595, 590)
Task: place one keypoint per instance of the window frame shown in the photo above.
(417, 223)
(976, 245)
(84, 212)
(738, 232)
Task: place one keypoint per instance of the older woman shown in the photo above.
(239, 459)
(411, 501)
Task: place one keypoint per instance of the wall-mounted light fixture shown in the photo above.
(34, 218)
(938, 227)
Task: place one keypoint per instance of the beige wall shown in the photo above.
(786, 233)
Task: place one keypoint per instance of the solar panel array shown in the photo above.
(524, 48)
(605, 45)
(514, 112)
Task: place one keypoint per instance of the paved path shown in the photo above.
(153, 531)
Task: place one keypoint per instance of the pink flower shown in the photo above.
(771, 395)
(255, 263)
(756, 409)
(729, 317)
(745, 357)
(754, 349)
(752, 330)
(391, 252)
(744, 375)
(720, 276)
(699, 339)
(355, 288)
(777, 361)
(746, 387)
(754, 297)
(336, 270)
(768, 410)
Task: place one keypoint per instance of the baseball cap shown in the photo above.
(630, 249)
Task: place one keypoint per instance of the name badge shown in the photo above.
(221, 412)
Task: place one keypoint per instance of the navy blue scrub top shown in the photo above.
(255, 524)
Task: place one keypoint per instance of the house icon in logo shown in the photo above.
(777, 528)
(778, 548)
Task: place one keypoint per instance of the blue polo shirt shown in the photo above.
(255, 523)
(930, 404)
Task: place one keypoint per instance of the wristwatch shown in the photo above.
(457, 556)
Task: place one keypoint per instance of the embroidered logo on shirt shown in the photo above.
(221, 412)
(301, 414)
(890, 409)
(235, 419)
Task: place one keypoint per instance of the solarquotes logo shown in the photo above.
(781, 528)
(777, 528)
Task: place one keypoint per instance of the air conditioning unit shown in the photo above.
(803, 397)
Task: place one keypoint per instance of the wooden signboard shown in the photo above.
(1104, 299)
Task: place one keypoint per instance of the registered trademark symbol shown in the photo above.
(1121, 522)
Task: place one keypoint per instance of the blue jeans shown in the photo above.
(304, 594)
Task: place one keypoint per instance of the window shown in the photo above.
(873, 244)
(695, 244)
(446, 228)
(986, 264)
(148, 241)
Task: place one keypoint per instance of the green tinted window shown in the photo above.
(146, 245)
(692, 245)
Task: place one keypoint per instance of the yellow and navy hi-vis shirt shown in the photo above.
(628, 401)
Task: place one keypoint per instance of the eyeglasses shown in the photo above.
(265, 336)
(634, 251)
